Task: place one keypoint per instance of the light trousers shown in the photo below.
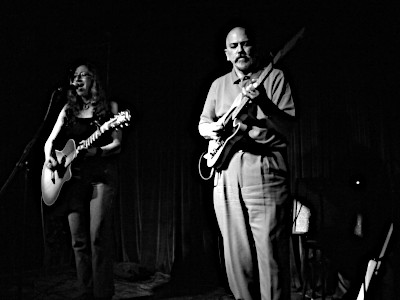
(252, 206)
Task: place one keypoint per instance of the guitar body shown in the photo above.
(221, 149)
(53, 179)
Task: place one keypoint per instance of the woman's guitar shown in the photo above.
(53, 179)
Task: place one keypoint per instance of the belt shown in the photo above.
(254, 148)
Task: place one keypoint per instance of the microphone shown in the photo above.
(70, 86)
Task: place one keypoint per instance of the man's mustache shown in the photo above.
(242, 56)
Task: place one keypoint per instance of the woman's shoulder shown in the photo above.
(63, 111)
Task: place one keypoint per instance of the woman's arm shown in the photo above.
(115, 146)
(48, 146)
(112, 148)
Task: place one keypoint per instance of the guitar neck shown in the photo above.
(241, 103)
(90, 140)
(118, 120)
(288, 46)
(245, 99)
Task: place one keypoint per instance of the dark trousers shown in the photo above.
(92, 243)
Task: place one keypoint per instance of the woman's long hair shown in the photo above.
(99, 100)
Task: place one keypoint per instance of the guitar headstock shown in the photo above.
(119, 120)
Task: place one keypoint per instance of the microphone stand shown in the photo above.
(23, 164)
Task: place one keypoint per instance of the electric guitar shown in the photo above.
(232, 121)
(233, 127)
(53, 178)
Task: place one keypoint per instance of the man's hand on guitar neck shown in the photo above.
(210, 131)
(251, 90)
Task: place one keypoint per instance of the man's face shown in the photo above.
(239, 50)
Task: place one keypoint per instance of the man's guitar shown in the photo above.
(219, 150)
(53, 179)
(233, 127)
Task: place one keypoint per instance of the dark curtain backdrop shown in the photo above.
(158, 61)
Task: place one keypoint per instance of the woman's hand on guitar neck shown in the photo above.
(93, 151)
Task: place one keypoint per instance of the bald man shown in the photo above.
(251, 189)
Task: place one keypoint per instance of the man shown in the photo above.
(251, 193)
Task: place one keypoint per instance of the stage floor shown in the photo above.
(60, 285)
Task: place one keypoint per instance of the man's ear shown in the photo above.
(226, 54)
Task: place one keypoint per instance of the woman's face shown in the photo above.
(83, 80)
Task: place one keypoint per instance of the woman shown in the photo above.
(88, 196)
